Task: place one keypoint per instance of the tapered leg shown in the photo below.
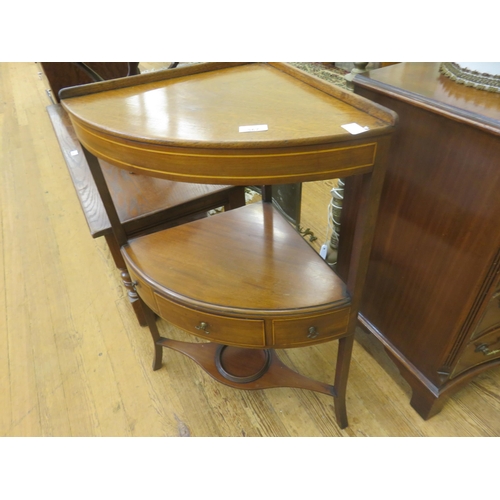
(341, 376)
(155, 334)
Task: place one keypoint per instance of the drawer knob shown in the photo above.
(203, 326)
(312, 332)
(485, 350)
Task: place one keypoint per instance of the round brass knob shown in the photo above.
(203, 326)
(312, 332)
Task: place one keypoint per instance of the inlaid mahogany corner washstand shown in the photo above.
(244, 280)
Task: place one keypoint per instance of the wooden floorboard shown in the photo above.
(74, 362)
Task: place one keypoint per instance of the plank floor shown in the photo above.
(74, 362)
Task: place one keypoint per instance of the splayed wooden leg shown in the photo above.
(341, 375)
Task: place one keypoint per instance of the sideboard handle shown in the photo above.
(484, 348)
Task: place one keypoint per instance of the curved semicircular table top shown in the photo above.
(221, 123)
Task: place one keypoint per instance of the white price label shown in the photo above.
(253, 128)
(354, 128)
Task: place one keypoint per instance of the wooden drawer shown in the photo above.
(223, 330)
(310, 330)
(483, 349)
(491, 317)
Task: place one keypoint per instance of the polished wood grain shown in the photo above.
(434, 266)
(294, 298)
(202, 127)
(142, 202)
(74, 361)
(438, 93)
(209, 117)
(265, 242)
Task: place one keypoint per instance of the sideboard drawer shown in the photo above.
(222, 330)
(483, 349)
(310, 330)
(491, 316)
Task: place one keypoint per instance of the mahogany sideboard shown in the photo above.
(432, 293)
